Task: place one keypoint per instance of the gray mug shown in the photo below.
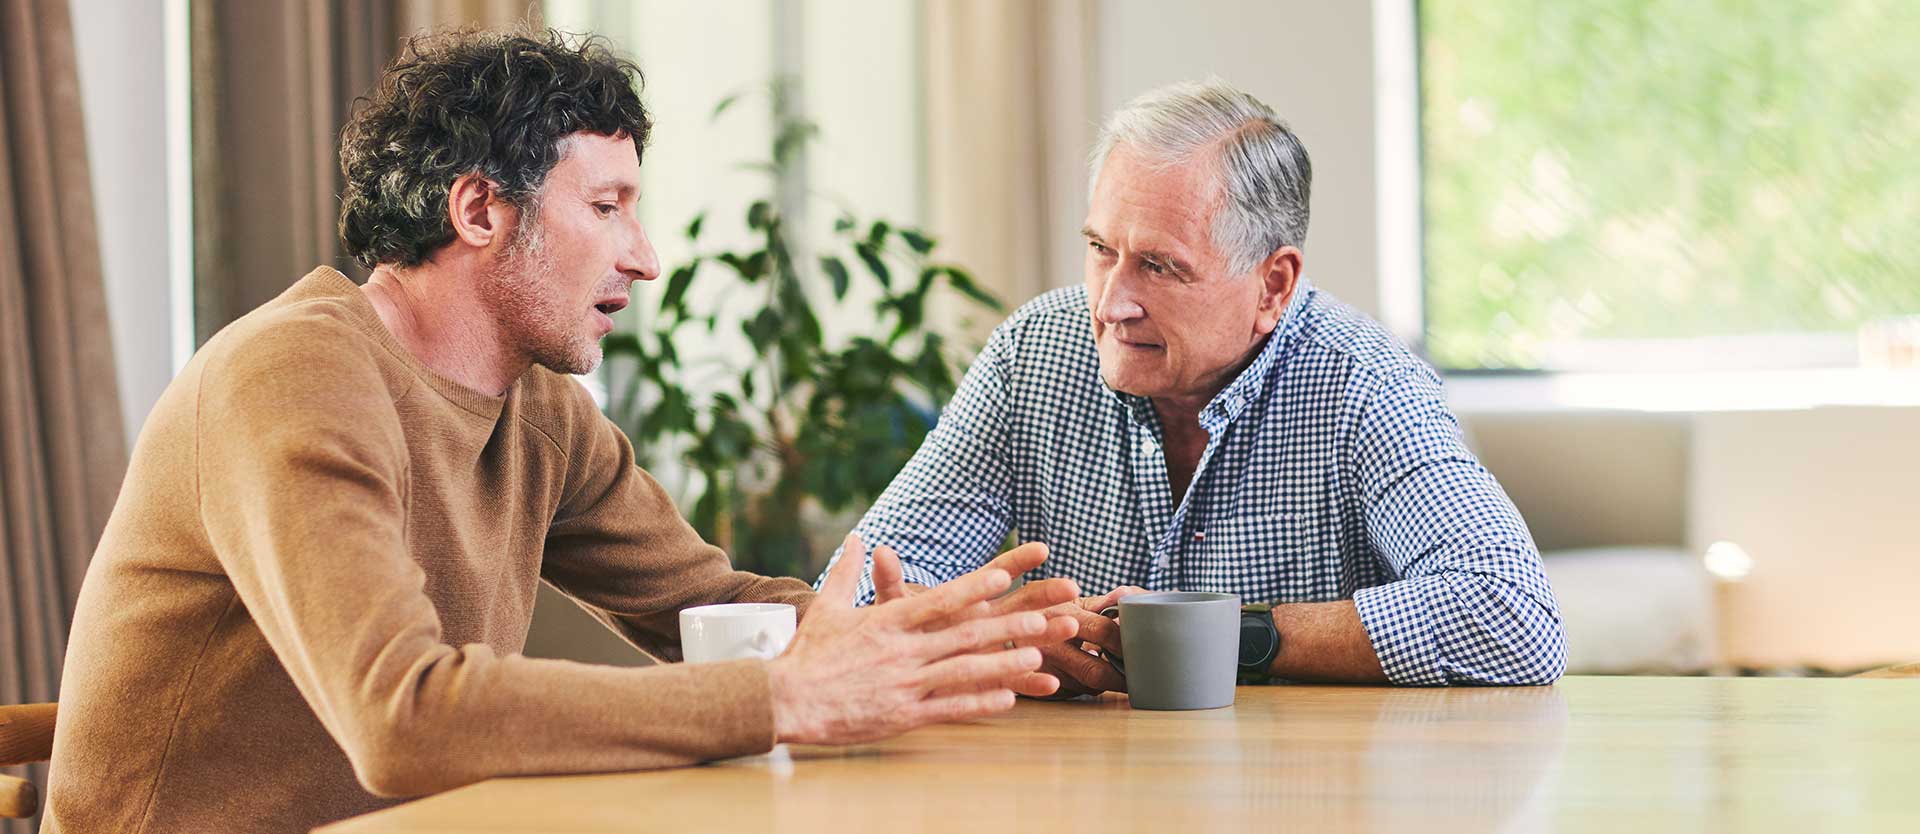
(1182, 649)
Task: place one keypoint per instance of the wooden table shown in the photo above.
(1635, 755)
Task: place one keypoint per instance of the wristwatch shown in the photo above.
(1259, 641)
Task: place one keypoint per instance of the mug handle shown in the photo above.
(765, 645)
(1112, 612)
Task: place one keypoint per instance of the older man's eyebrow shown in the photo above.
(1088, 233)
(1165, 259)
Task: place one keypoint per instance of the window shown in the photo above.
(1670, 184)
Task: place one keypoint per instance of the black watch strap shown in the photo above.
(1259, 641)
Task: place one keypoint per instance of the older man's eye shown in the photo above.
(605, 209)
(1154, 267)
(1100, 250)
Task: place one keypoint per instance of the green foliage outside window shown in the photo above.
(1634, 169)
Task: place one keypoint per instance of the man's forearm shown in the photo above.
(1324, 641)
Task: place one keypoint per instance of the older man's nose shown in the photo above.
(1116, 303)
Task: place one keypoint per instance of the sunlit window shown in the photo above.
(1671, 184)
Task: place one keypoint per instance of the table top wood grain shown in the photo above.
(1636, 755)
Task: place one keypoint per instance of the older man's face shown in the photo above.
(1169, 319)
(566, 269)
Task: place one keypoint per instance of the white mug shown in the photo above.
(736, 631)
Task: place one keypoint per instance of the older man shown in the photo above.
(314, 589)
(1199, 417)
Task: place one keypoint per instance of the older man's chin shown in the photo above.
(1124, 383)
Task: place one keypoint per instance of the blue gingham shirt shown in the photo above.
(1333, 470)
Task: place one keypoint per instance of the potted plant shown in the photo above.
(806, 421)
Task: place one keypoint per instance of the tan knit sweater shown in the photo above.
(315, 587)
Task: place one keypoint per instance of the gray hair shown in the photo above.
(1264, 171)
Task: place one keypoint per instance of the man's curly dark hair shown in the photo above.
(496, 103)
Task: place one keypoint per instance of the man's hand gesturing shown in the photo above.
(947, 654)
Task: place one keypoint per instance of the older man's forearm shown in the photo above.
(1324, 642)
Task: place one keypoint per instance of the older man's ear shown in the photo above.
(1280, 274)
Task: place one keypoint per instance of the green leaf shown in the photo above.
(844, 223)
(958, 279)
(837, 273)
(750, 268)
(877, 235)
(759, 214)
(764, 328)
(917, 240)
(693, 228)
(706, 512)
(674, 299)
(870, 255)
(725, 103)
(912, 311)
(621, 344)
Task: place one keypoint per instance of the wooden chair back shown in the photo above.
(26, 735)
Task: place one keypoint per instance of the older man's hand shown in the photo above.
(953, 653)
(1069, 667)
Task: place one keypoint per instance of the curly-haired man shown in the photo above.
(313, 592)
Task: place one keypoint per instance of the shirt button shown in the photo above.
(1199, 535)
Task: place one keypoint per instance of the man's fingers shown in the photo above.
(969, 670)
(1035, 685)
(1098, 630)
(960, 707)
(943, 601)
(844, 578)
(1018, 561)
(1063, 686)
(975, 635)
(889, 578)
(1059, 630)
(1037, 595)
(1087, 670)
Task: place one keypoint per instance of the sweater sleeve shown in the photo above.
(620, 548)
(300, 473)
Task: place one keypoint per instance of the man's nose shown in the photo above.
(1116, 303)
(640, 262)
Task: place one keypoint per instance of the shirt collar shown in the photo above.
(1227, 405)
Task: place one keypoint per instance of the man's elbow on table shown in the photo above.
(1529, 646)
(391, 764)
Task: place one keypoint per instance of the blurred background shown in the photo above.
(1661, 249)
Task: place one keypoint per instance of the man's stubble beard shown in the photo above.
(520, 287)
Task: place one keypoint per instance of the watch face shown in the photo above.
(1255, 638)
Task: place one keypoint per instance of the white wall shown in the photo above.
(123, 91)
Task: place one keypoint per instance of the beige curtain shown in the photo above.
(62, 452)
(273, 83)
(1009, 116)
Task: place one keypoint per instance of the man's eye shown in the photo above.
(605, 209)
(1100, 249)
(1154, 267)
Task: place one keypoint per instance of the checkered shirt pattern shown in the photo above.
(1333, 470)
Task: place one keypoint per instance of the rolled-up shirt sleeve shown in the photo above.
(1472, 603)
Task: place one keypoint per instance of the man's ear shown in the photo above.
(478, 214)
(1279, 275)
